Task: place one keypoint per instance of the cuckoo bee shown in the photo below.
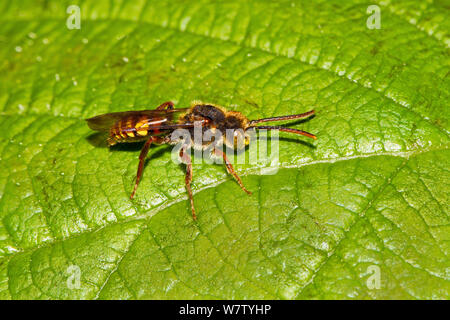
(156, 126)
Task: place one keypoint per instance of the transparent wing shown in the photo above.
(104, 122)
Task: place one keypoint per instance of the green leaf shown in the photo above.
(367, 201)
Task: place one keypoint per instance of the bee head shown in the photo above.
(235, 127)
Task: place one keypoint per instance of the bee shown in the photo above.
(156, 126)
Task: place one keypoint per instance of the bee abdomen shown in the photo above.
(131, 129)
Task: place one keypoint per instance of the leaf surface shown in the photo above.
(369, 198)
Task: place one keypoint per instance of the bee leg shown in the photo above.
(188, 179)
(166, 105)
(142, 157)
(230, 169)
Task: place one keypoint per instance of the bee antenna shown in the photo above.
(290, 130)
(290, 117)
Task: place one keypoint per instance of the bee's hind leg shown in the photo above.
(230, 169)
(188, 179)
(166, 106)
(142, 157)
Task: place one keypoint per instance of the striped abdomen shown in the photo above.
(134, 129)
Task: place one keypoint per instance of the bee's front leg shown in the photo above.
(230, 169)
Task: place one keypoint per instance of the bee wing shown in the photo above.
(156, 125)
(104, 122)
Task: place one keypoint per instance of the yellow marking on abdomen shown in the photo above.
(130, 134)
(140, 124)
(142, 132)
(129, 123)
